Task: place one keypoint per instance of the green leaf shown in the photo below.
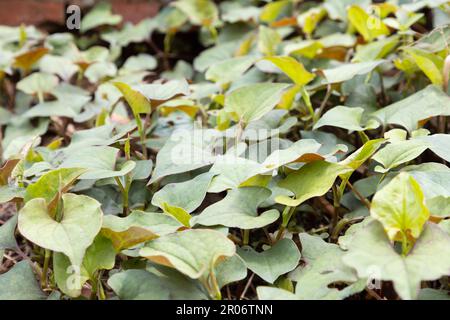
(101, 166)
(312, 180)
(349, 71)
(431, 64)
(135, 99)
(186, 195)
(38, 83)
(58, 65)
(372, 256)
(20, 283)
(424, 104)
(162, 92)
(130, 33)
(194, 253)
(346, 118)
(268, 40)
(139, 62)
(400, 207)
(310, 19)
(272, 10)
(293, 69)
(7, 237)
(99, 256)
(144, 285)
(439, 144)
(323, 267)
(303, 150)
(239, 210)
(397, 153)
(231, 270)
(100, 70)
(439, 206)
(137, 227)
(231, 172)
(53, 183)
(100, 15)
(253, 101)
(184, 151)
(375, 50)
(273, 262)
(434, 178)
(81, 221)
(10, 193)
(70, 279)
(229, 70)
(199, 12)
(370, 27)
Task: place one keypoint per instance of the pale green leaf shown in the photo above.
(253, 101)
(273, 262)
(81, 222)
(194, 253)
(20, 283)
(372, 256)
(239, 210)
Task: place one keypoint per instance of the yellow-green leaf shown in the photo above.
(400, 207)
(137, 101)
(292, 68)
(370, 27)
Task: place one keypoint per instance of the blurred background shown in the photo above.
(49, 14)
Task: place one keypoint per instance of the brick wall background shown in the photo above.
(40, 12)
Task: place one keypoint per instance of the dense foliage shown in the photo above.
(236, 150)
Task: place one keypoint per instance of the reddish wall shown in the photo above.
(36, 12)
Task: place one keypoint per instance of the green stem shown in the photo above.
(124, 190)
(307, 100)
(101, 291)
(246, 238)
(405, 245)
(215, 286)
(286, 217)
(47, 256)
(336, 204)
(143, 146)
(363, 136)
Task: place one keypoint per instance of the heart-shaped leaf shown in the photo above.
(239, 210)
(293, 69)
(81, 221)
(194, 252)
(274, 262)
(372, 256)
(137, 227)
(253, 101)
(20, 283)
(400, 207)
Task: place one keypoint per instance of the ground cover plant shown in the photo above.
(228, 150)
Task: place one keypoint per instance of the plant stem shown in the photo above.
(336, 204)
(307, 100)
(324, 102)
(359, 195)
(124, 190)
(218, 294)
(247, 285)
(47, 256)
(286, 217)
(246, 238)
